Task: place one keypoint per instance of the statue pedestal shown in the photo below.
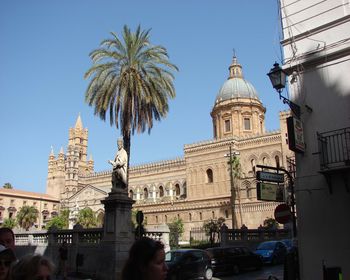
(118, 234)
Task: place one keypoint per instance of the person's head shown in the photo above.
(7, 238)
(146, 261)
(33, 267)
(7, 257)
(120, 143)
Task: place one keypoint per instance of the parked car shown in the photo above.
(272, 252)
(233, 259)
(288, 243)
(186, 264)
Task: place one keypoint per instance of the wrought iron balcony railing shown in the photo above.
(334, 149)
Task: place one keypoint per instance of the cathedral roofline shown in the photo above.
(239, 141)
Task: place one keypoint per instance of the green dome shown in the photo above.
(236, 86)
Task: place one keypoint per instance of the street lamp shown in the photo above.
(278, 80)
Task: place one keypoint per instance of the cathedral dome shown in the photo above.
(236, 86)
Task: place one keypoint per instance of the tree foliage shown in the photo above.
(270, 223)
(9, 223)
(132, 80)
(212, 228)
(27, 216)
(176, 228)
(87, 218)
(60, 222)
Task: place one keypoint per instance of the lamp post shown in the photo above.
(278, 80)
(232, 155)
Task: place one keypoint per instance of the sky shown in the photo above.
(44, 53)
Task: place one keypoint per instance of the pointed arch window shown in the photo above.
(210, 177)
(161, 191)
(131, 194)
(253, 165)
(145, 193)
(277, 161)
(177, 190)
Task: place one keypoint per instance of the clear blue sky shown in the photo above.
(44, 55)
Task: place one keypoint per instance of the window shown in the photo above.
(157, 219)
(277, 160)
(177, 189)
(24, 202)
(190, 217)
(166, 218)
(264, 161)
(131, 194)
(145, 193)
(248, 191)
(12, 202)
(200, 216)
(213, 214)
(226, 214)
(252, 162)
(210, 176)
(246, 123)
(45, 205)
(161, 191)
(227, 125)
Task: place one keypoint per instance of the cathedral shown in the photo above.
(196, 187)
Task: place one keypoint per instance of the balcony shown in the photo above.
(334, 153)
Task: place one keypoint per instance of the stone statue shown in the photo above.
(120, 166)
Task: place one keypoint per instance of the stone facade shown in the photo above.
(11, 201)
(195, 187)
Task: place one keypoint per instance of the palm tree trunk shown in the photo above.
(127, 145)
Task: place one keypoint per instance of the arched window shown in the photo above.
(253, 164)
(226, 214)
(190, 217)
(166, 218)
(157, 219)
(145, 193)
(248, 191)
(177, 190)
(200, 216)
(210, 176)
(213, 214)
(277, 161)
(131, 194)
(264, 160)
(161, 191)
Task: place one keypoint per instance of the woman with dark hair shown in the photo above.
(146, 261)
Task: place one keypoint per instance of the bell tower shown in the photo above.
(65, 170)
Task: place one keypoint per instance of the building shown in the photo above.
(11, 200)
(196, 187)
(316, 46)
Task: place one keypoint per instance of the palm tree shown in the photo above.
(9, 223)
(27, 216)
(133, 80)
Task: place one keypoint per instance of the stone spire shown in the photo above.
(79, 123)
